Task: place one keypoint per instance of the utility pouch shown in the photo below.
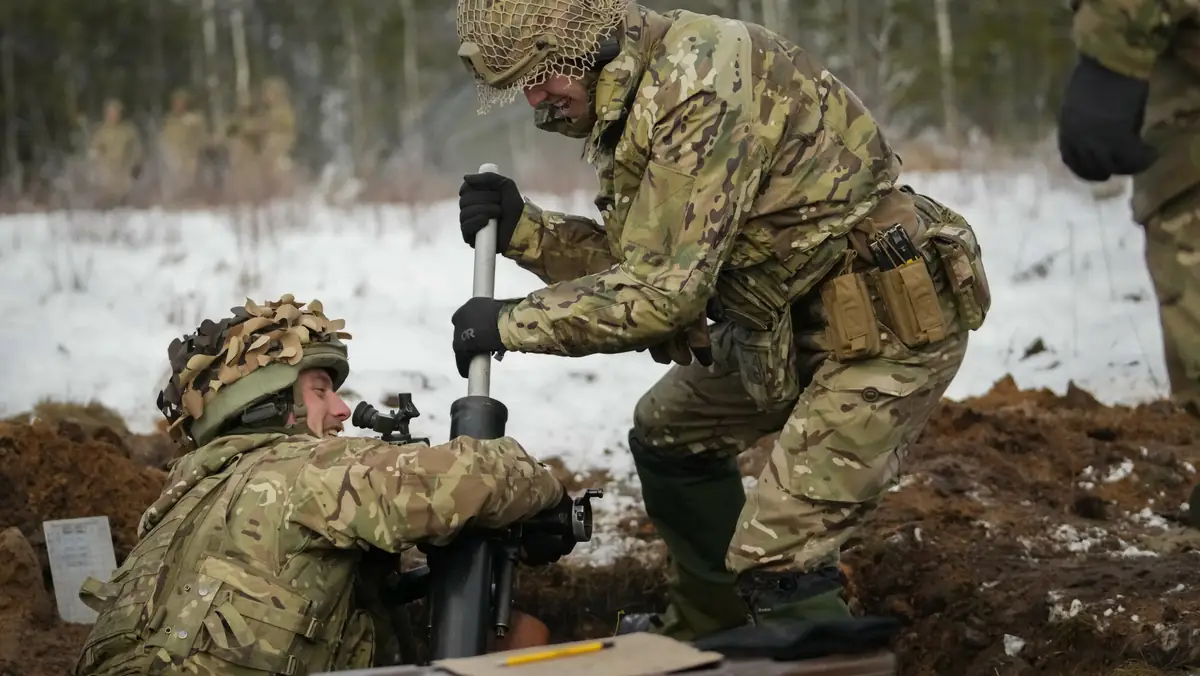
(851, 327)
(911, 302)
(766, 361)
(960, 257)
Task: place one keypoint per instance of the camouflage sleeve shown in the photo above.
(699, 153)
(1127, 36)
(556, 246)
(363, 490)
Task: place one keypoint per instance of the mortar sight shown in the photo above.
(392, 428)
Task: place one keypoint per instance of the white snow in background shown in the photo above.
(90, 302)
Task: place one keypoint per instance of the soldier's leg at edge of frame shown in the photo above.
(1172, 257)
(688, 429)
(842, 447)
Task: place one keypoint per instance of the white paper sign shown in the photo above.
(78, 548)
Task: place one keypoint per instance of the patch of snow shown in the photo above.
(1013, 645)
(1120, 472)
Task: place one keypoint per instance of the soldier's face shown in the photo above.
(569, 96)
(326, 410)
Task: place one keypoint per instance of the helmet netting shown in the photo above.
(222, 353)
(507, 30)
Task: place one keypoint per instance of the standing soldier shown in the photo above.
(181, 142)
(114, 155)
(1132, 108)
(740, 182)
(260, 154)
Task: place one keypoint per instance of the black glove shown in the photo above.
(1099, 129)
(542, 546)
(476, 331)
(486, 196)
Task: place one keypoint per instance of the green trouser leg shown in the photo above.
(694, 504)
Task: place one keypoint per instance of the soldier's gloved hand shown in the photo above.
(476, 330)
(486, 196)
(540, 547)
(1099, 130)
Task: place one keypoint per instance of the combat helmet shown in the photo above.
(239, 373)
(511, 45)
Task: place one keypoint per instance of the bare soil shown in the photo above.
(1033, 534)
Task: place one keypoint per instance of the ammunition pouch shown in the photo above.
(908, 298)
(961, 258)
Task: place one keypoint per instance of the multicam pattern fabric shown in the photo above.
(726, 159)
(538, 38)
(1159, 41)
(222, 353)
(246, 564)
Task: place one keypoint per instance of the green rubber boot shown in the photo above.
(788, 595)
(694, 504)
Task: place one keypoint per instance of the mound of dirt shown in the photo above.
(1040, 534)
(58, 468)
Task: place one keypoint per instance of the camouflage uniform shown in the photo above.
(739, 180)
(253, 559)
(115, 151)
(260, 153)
(1159, 41)
(181, 142)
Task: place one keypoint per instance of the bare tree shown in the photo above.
(212, 76)
(241, 61)
(946, 61)
(12, 161)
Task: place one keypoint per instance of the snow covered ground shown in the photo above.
(90, 302)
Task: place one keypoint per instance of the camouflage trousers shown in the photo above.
(1173, 258)
(841, 445)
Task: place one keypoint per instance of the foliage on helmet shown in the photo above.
(224, 352)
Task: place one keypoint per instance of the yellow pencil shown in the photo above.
(560, 652)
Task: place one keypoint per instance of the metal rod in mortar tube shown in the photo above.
(461, 573)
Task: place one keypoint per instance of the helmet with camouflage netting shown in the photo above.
(511, 45)
(240, 373)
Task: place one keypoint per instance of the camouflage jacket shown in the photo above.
(1159, 41)
(731, 166)
(182, 138)
(247, 563)
(116, 148)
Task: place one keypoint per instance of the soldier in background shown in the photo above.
(181, 142)
(261, 140)
(1132, 108)
(115, 154)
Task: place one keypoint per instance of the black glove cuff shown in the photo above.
(1094, 77)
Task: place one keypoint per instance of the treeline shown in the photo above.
(376, 84)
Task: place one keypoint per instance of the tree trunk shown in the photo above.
(241, 61)
(212, 76)
(354, 74)
(946, 61)
(12, 159)
(412, 86)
